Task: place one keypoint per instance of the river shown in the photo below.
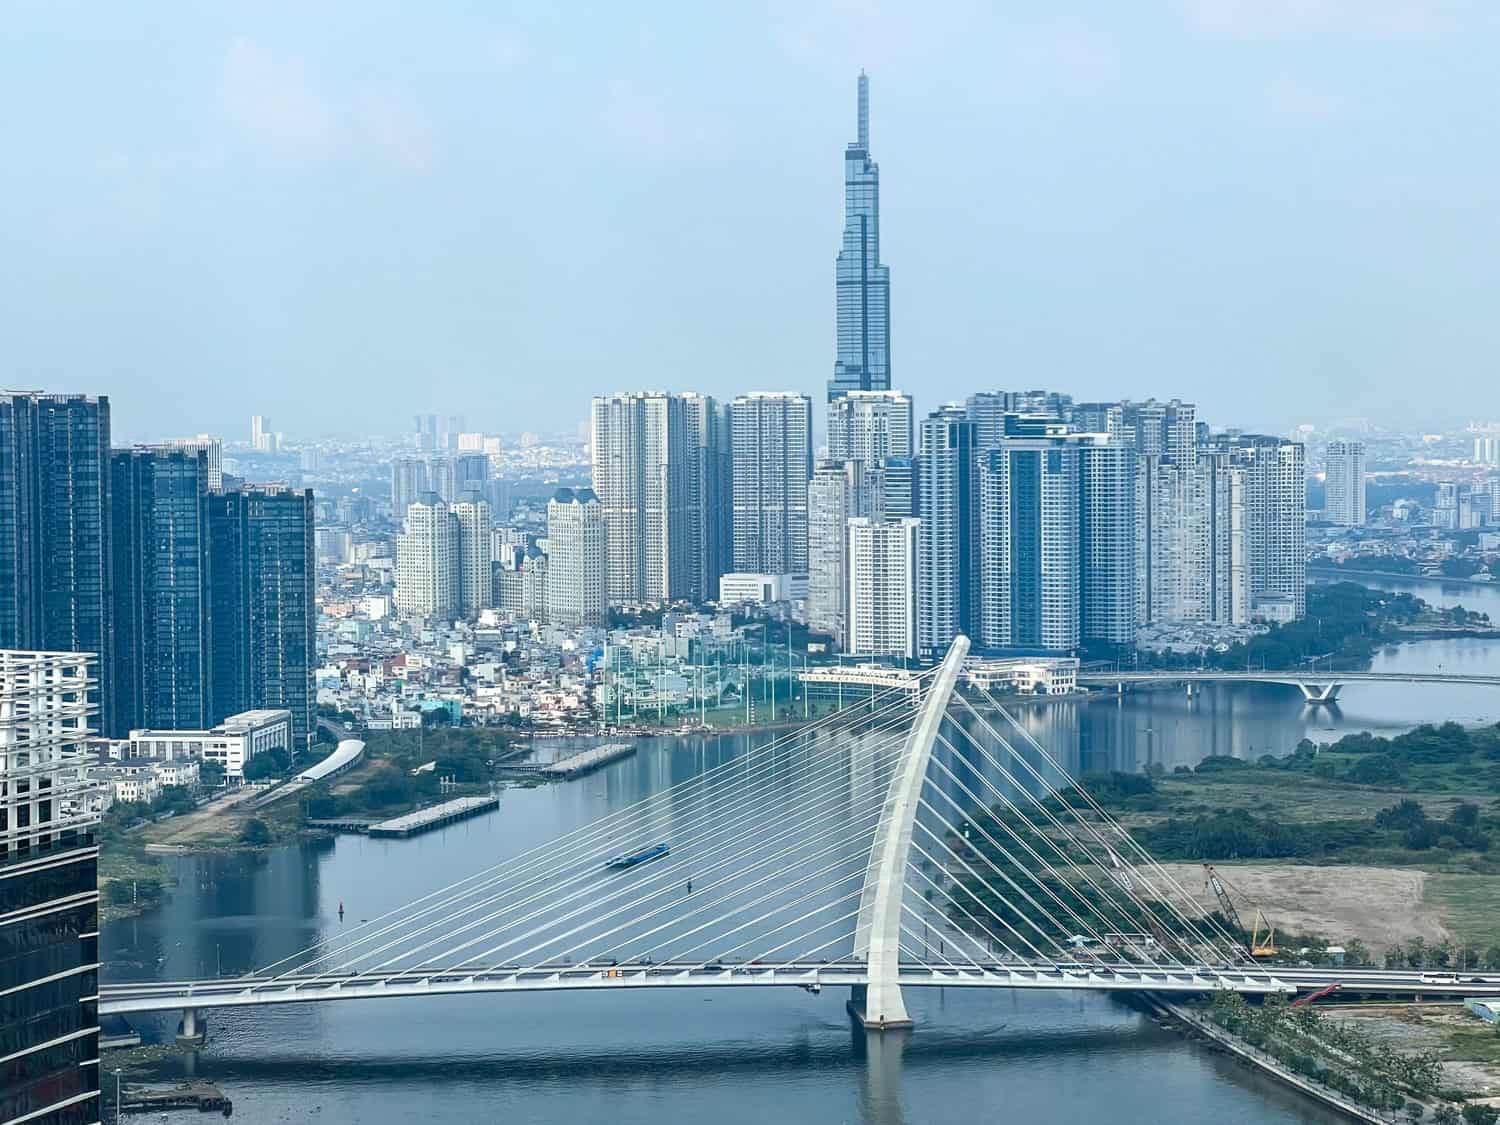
(721, 1056)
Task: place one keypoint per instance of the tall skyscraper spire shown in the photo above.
(862, 284)
(864, 111)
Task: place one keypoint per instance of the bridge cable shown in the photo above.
(1236, 948)
(836, 780)
(1090, 828)
(981, 827)
(761, 763)
(1084, 870)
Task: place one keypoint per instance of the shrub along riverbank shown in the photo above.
(1345, 625)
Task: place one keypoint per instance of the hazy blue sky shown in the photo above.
(339, 213)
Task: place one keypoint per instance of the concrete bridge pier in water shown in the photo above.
(1321, 694)
(193, 1030)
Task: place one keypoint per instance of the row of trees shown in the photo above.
(1345, 624)
(1335, 1054)
(1230, 834)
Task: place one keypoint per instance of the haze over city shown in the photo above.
(796, 562)
(339, 217)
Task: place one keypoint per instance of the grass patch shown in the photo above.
(1469, 905)
(1477, 1042)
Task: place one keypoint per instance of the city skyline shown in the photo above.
(1045, 214)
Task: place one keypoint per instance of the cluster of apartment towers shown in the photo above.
(195, 591)
(1022, 519)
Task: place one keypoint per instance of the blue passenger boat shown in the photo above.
(627, 860)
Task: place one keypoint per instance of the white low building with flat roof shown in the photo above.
(231, 743)
(744, 587)
(1026, 675)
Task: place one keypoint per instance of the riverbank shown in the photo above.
(1343, 574)
(1267, 1064)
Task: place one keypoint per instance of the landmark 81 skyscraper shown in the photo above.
(863, 284)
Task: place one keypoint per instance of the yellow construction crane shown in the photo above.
(1262, 941)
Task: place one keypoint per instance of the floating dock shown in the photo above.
(576, 765)
(202, 1096)
(343, 823)
(436, 816)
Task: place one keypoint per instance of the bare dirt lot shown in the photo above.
(1468, 1046)
(1381, 906)
(219, 819)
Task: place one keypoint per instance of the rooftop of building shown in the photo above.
(234, 724)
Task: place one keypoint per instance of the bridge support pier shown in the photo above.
(1324, 694)
(879, 1005)
(193, 1030)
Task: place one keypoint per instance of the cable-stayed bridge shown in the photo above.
(896, 844)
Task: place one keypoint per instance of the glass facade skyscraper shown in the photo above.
(161, 675)
(863, 285)
(263, 603)
(55, 560)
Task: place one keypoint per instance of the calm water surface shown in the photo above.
(756, 1056)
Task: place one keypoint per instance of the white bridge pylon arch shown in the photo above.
(877, 935)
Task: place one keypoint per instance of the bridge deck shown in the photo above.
(151, 996)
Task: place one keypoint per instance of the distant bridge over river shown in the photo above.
(1316, 687)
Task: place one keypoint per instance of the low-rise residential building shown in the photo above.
(183, 772)
(128, 783)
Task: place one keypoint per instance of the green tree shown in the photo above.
(268, 763)
(255, 833)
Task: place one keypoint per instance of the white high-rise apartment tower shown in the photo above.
(1345, 504)
(476, 586)
(840, 491)
(428, 560)
(1274, 476)
(882, 587)
(772, 451)
(870, 426)
(661, 476)
(575, 558)
(260, 433)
